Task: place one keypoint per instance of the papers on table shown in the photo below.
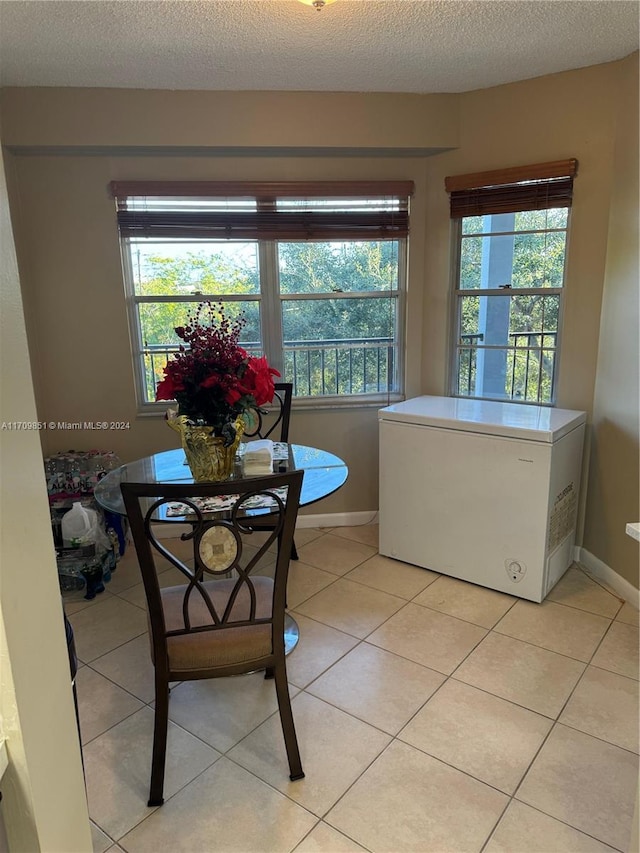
(257, 459)
(280, 450)
(219, 503)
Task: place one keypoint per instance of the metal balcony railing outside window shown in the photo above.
(530, 363)
(316, 368)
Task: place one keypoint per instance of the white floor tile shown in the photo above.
(527, 830)
(392, 576)
(486, 737)
(556, 627)
(376, 686)
(577, 589)
(410, 801)
(319, 647)
(73, 602)
(118, 770)
(427, 637)
(524, 674)
(130, 666)
(101, 703)
(419, 702)
(304, 581)
(225, 809)
(365, 533)
(605, 705)
(101, 842)
(303, 535)
(466, 601)
(127, 573)
(627, 614)
(351, 607)
(136, 595)
(100, 629)
(324, 839)
(221, 711)
(335, 749)
(618, 652)
(585, 782)
(335, 553)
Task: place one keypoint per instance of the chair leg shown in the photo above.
(161, 723)
(286, 720)
(269, 672)
(294, 551)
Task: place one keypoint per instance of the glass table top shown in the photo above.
(324, 474)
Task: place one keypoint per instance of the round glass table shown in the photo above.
(324, 474)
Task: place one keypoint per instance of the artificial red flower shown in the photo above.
(168, 388)
(258, 380)
(233, 396)
(213, 379)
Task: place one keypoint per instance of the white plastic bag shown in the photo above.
(83, 526)
(97, 534)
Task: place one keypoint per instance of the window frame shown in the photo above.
(398, 296)
(270, 300)
(503, 190)
(133, 300)
(460, 293)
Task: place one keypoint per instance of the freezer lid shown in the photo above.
(513, 420)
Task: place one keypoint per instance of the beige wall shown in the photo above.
(277, 120)
(71, 267)
(612, 499)
(68, 244)
(44, 803)
(549, 118)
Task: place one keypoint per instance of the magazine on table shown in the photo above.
(219, 503)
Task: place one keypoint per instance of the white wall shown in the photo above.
(44, 804)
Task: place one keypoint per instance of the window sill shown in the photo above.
(303, 404)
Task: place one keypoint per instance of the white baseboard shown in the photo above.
(601, 571)
(330, 519)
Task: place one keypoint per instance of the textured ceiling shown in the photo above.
(352, 45)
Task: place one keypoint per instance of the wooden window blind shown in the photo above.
(325, 210)
(534, 187)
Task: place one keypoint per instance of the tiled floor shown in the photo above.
(432, 715)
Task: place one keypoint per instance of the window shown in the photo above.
(317, 270)
(511, 235)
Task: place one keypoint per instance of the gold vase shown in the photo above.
(209, 460)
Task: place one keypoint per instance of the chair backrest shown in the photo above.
(275, 423)
(221, 589)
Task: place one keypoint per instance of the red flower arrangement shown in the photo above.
(213, 379)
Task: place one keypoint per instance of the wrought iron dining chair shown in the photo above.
(225, 619)
(274, 424)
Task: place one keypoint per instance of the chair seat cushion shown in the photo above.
(218, 646)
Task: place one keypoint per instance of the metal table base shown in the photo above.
(291, 634)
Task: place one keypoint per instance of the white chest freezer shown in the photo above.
(482, 491)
